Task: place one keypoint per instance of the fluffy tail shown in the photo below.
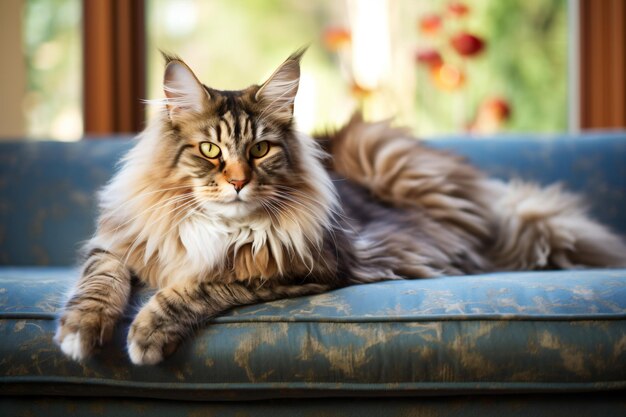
(546, 228)
(392, 164)
(513, 226)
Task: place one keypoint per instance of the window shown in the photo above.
(369, 53)
(52, 47)
(440, 67)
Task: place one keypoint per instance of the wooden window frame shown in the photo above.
(602, 64)
(114, 69)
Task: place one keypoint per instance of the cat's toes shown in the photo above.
(148, 343)
(72, 346)
(144, 354)
(79, 333)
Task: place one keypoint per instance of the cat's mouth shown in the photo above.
(235, 208)
(239, 197)
(236, 200)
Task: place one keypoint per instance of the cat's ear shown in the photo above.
(278, 93)
(185, 94)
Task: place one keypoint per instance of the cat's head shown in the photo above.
(238, 149)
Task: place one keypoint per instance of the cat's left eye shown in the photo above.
(210, 150)
(260, 149)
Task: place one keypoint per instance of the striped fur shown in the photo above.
(203, 211)
(172, 313)
(448, 218)
(96, 304)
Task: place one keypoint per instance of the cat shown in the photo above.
(223, 203)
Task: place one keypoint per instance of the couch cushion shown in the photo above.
(507, 332)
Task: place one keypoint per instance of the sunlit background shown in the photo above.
(438, 66)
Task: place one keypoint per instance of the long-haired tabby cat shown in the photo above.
(223, 203)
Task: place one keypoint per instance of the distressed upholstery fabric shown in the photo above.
(530, 343)
(47, 197)
(534, 332)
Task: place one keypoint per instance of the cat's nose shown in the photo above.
(238, 174)
(239, 184)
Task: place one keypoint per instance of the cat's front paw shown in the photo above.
(80, 332)
(148, 339)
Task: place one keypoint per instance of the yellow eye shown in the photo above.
(210, 150)
(260, 149)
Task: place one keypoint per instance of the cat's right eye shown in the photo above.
(210, 150)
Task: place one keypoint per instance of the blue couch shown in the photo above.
(547, 343)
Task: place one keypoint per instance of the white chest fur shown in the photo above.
(208, 242)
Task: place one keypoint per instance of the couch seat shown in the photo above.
(539, 332)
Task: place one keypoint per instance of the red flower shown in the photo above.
(491, 115)
(336, 38)
(430, 57)
(447, 77)
(430, 24)
(499, 107)
(467, 44)
(458, 9)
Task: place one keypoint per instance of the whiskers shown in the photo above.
(336, 220)
(327, 214)
(289, 202)
(154, 207)
(312, 216)
(180, 204)
(146, 218)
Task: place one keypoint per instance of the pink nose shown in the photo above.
(239, 184)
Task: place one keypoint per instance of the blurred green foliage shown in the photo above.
(52, 49)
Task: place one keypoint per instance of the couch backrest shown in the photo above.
(47, 189)
(47, 197)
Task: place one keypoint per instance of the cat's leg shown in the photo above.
(97, 302)
(174, 311)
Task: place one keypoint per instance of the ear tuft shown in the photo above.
(278, 93)
(169, 57)
(183, 90)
